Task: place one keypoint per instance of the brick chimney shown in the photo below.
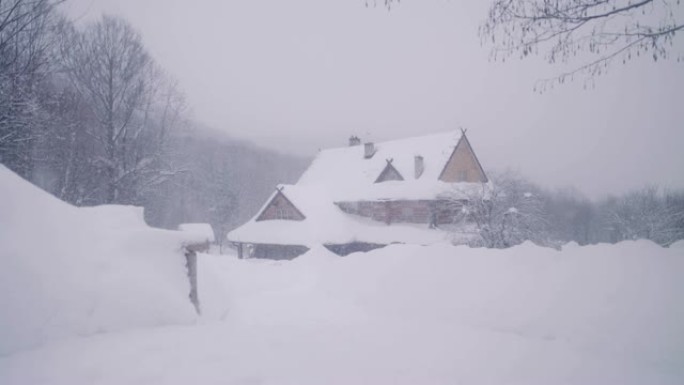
(368, 150)
(354, 141)
(419, 166)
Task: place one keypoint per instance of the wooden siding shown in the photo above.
(281, 208)
(463, 165)
(434, 212)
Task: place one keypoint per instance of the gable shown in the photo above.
(389, 173)
(280, 208)
(463, 165)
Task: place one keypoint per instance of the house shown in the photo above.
(366, 196)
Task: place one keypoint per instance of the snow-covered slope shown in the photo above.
(70, 271)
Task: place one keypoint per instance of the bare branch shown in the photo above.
(565, 30)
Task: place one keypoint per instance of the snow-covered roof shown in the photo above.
(325, 223)
(350, 176)
(200, 230)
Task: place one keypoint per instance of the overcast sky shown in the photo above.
(300, 75)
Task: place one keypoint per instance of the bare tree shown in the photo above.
(572, 217)
(22, 29)
(108, 64)
(507, 212)
(644, 214)
(603, 31)
(24, 41)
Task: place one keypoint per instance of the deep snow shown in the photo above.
(70, 271)
(606, 314)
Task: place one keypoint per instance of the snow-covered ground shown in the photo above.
(403, 315)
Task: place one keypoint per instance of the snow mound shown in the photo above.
(603, 314)
(200, 230)
(70, 271)
(679, 245)
(404, 314)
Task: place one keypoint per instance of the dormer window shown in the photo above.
(389, 173)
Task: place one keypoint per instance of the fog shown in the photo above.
(311, 191)
(300, 75)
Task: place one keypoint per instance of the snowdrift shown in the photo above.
(604, 314)
(70, 271)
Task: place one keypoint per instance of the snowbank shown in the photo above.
(199, 230)
(70, 271)
(605, 314)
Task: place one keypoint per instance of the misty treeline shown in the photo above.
(87, 114)
(516, 210)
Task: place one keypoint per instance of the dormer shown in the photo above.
(389, 173)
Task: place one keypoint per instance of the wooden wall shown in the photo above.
(404, 211)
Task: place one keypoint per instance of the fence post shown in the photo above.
(191, 265)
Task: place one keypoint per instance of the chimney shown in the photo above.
(354, 141)
(368, 150)
(419, 166)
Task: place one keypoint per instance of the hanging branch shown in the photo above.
(601, 30)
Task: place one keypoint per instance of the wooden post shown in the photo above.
(239, 250)
(191, 264)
